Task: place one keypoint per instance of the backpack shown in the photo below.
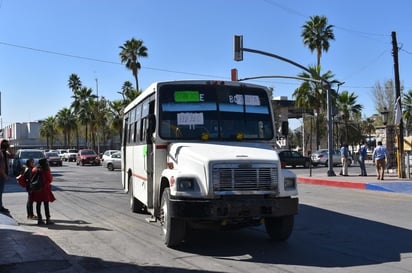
(36, 182)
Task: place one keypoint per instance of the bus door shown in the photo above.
(149, 125)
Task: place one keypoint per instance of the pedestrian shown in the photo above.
(27, 173)
(362, 154)
(379, 156)
(344, 153)
(4, 170)
(45, 194)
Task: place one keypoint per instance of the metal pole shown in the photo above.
(330, 131)
(98, 125)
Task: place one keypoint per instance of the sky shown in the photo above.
(43, 42)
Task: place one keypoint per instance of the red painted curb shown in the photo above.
(333, 183)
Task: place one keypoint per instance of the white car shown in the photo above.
(320, 157)
(106, 155)
(70, 155)
(114, 161)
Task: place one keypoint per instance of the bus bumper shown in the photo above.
(233, 208)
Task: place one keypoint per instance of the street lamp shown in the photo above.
(385, 114)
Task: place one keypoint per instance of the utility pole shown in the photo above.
(399, 155)
(98, 125)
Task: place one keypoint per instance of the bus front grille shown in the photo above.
(238, 178)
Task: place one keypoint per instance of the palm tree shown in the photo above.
(116, 109)
(130, 53)
(74, 82)
(128, 93)
(312, 95)
(348, 108)
(66, 121)
(81, 105)
(407, 113)
(48, 130)
(316, 34)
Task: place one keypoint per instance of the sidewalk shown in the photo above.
(391, 182)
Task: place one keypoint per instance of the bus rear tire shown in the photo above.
(173, 229)
(279, 228)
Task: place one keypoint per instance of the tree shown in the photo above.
(130, 53)
(128, 93)
(74, 82)
(66, 121)
(384, 97)
(48, 131)
(316, 34)
(348, 107)
(83, 98)
(407, 112)
(312, 95)
(116, 109)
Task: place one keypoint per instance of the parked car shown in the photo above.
(22, 155)
(107, 154)
(87, 156)
(294, 158)
(70, 155)
(114, 161)
(61, 153)
(320, 157)
(53, 159)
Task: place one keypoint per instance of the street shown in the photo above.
(339, 230)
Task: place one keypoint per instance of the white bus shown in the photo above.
(197, 154)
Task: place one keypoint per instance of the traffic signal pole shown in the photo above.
(238, 56)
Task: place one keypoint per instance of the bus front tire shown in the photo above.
(173, 229)
(279, 228)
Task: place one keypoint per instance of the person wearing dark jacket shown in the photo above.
(27, 173)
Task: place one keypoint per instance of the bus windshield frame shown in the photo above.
(214, 112)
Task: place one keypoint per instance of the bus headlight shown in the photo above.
(185, 184)
(290, 183)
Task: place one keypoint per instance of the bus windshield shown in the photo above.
(214, 112)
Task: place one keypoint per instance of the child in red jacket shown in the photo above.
(45, 194)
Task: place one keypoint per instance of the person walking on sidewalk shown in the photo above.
(362, 153)
(379, 156)
(44, 195)
(4, 170)
(344, 153)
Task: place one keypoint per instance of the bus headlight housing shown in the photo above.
(290, 183)
(185, 184)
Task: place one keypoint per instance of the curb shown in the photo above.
(6, 220)
(389, 186)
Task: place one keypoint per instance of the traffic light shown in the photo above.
(238, 47)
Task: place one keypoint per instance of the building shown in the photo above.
(24, 135)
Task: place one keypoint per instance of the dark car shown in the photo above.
(54, 159)
(294, 158)
(87, 156)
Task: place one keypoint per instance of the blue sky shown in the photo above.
(42, 42)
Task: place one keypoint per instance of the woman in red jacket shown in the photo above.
(45, 194)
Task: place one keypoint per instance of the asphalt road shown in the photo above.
(339, 230)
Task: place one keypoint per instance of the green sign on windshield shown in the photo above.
(187, 96)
